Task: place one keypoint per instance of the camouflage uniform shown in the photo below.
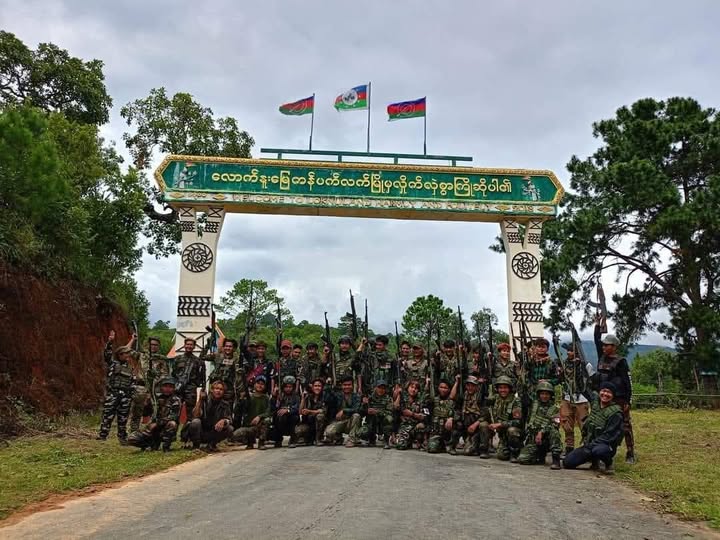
(469, 411)
(285, 424)
(288, 367)
(544, 418)
(163, 426)
(384, 368)
(118, 393)
(446, 368)
(346, 363)
(312, 368)
(379, 423)
(189, 371)
(411, 430)
(146, 389)
(350, 424)
(442, 410)
(507, 412)
(507, 370)
(312, 426)
(258, 404)
(414, 371)
(224, 369)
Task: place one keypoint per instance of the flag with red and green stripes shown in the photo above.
(406, 109)
(299, 107)
(353, 99)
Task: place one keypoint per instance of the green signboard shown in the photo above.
(358, 189)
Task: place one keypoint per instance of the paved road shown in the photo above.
(358, 493)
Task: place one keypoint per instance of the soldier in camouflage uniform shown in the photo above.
(504, 366)
(313, 414)
(381, 364)
(257, 417)
(472, 419)
(446, 363)
(164, 424)
(541, 432)
(226, 365)
(312, 367)
(261, 366)
(118, 390)
(286, 413)
(346, 361)
(441, 424)
(378, 410)
(413, 414)
(347, 419)
(415, 368)
(506, 412)
(152, 366)
(189, 372)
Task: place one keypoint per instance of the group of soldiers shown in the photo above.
(481, 403)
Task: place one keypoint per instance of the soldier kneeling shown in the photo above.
(163, 426)
(543, 433)
(256, 418)
(441, 426)
(212, 416)
(313, 412)
(507, 419)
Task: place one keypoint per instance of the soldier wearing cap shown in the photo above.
(312, 366)
(506, 414)
(504, 365)
(415, 368)
(378, 411)
(602, 432)
(257, 417)
(541, 432)
(261, 366)
(165, 421)
(189, 372)
(286, 413)
(346, 360)
(118, 390)
(472, 419)
(575, 403)
(614, 368)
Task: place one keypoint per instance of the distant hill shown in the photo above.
(591, 353)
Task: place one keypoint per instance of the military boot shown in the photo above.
(261, 444)
(452, 451)
(555, 462)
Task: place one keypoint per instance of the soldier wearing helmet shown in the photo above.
(286, 412)
(165, 420)
(541, 432)
(506, 419)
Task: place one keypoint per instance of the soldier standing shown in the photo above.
(257, 417)
(504, 365)
(446, 364)
(381, 364)
(313, 414)
(415, 368)
(346, 362)
(312, 366)
(541, 433)
(542, 367)
(506, 413)
(472, 420)
(118, 390)
(152, 367)
(441, 424)
(614, 368)
(574, 406)
(189, 372)
(164, 424)
(226, 365)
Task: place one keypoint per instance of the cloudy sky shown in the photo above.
(512, 83)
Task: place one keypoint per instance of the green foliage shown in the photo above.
(646, 205)
(236, 303)
(427, 316)
(161, 325)
(481, 320)
(175, 125)
(52, 80)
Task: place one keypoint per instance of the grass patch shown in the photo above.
(678, 454)
(34, 468)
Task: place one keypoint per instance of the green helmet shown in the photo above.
(503, 379)
(288, 379)
(544, 386)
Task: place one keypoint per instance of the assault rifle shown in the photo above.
(354, 334)
(579, 359)
(462, 352)
(562, 365)
(329, 344)
(278, 341)
(211, 345)
(249, 324)
(397, 346)
(600, 307)
(136, 343)
(491, 351)
(366, 350)
(430, 363)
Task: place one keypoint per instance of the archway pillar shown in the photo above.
(197, 272)
(521, 238)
